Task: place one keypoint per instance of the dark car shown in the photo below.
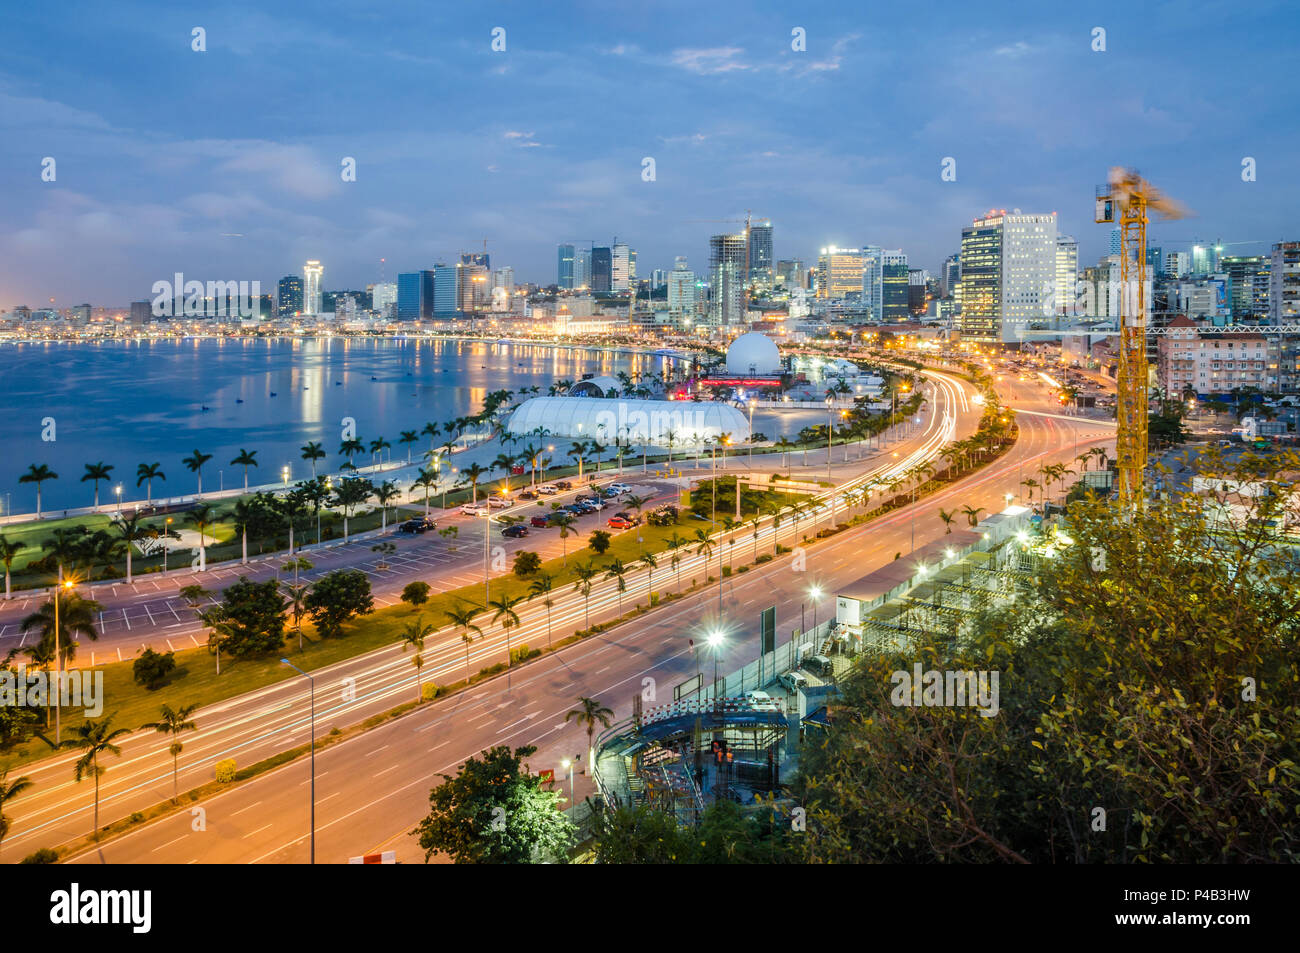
(515, 531)
(577, 509)
(527, 495)
(564, 484)
(610, 493)
(541, 522)
(419, 524)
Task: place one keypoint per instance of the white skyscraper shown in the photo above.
(1029, 272)
(311, 274)
(1067, 270)
(681, 289)
(872, 283)
(382, 297)
(622, 267)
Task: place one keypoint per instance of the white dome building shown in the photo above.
(636, 421)
(596, 387)
(753, 355)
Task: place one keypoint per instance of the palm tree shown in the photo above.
(130, 530)
(385, 493)
(8, 791)
(972, 514)
(1030, 484)
(76, 617)
(352, 492)
(590, 713)
(578, 450)
(651, 564)
(507, 616)
(215, 619)
(38, 473)
(565, 522)
(431, 430)
(146, 473)
(296, 597)
(174, 723)
(635, 502)
(246, 459)
(311, 452)
(675, 543)
(462, 617)
(585, 573)
(948, 516)
(413, 637)
(504, 462)
(244, 515)
(97, 471)
(9, 549)
(195, 463)
(201, 517)
(427, 479)
(94, 738)
(378, 447)
(597, 450)
(473, 473)
(543, 584)
(617, 570)
(704, 546)
(408, 437)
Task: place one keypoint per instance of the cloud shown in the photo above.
(717, 59)
(293, 169)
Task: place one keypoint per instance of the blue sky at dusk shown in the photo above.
(225, 164)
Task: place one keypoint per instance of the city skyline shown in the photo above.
(733, 117)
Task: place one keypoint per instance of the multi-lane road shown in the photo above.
(371, 790)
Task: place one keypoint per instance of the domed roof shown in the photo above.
(596, 387)
(753, 355)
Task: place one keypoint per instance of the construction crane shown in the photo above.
(747, 285)
(1128, 200)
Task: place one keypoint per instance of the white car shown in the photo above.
(793, 681)
(500, 502)
(549, 489)
(761, 701)
(620, 487)
(473, 509)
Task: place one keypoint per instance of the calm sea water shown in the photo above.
(126, 403)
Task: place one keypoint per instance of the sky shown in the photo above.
(226, 164)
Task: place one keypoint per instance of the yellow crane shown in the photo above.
(1128, 200)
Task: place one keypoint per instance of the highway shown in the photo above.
(367, 783)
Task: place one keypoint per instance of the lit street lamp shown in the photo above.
(567, 764)
(715, 640)
(312, 683)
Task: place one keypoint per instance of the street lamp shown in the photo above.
(58, 654)
(816, 594)
(284, 475)
(715, 640)
(829, 431)
(117, 490)
(312, 683)
(487, 533)
(752, 402)
(567, 765)
(167, 532)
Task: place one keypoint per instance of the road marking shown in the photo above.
(386, 770)
(243, 809)
(168, 844)
(258, 831)
(442, 744)
(375, 751)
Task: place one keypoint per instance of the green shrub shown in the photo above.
(430, 691)
(225, 770)
(764, 558)
(135, 818)
(42, 855)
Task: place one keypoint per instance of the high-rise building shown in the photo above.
(472, 290)
(504, 278)
(1116, 241)
(1205, 260)
(873, 280)
(1248, 285)
(289, 296)
(565, 281)
(382, 297)
(950, 274)
(1284, 283)
(582, 268)
(917, 282)
(1177, 264)
(1067, 272)
(414, 295)
(658, 278)
(839, 273)
(1009, 268)
(446, 290)
(141, 313)
(893, 287)
(790, 273)
(681, 290)
(602, 268)
(1155, 260)
(726, 280)
(761, 273)
(311, 288)
(481, 259)
(622, 269)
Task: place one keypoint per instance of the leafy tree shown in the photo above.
(526, 563)
(725, 834)
(338, 597)
(151, 668)
(599, 542)
(495, 811)
(252, 617)
(77, 617)
(349, 494)
(174, 723)
(416, 593)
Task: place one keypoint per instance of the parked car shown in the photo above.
(620, 487)
(473, 509)
(541, 522)
(500, 502)
(619, 522)
(819, 665)
(630, 517)
(548, 489)
(761, 701)
(577, 509)
(527, 495)
(793, 681)
(594, 503)
(515, 531)
(611, 493)
(419, 524)
(564, 484)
